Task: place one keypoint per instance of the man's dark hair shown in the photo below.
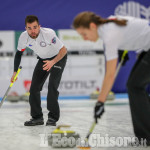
(31, 19)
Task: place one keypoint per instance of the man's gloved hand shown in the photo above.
(99, 110)
(125, 59)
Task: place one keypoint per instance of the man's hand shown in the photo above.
(12, 78)
(48, 64)
(99, 110)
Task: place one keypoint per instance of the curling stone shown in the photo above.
(13, 97)
(63, 138)
(111, 96)
(25, 97)
(95, 94)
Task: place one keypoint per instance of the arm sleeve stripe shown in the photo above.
(22, 50)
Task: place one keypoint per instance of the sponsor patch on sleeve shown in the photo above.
(54, 40)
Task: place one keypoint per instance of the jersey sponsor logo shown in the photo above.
(42, 44)
(54, 40)
(59, 67)
(134, 9)
(30, 45)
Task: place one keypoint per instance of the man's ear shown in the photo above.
(26, 28)
(93, 25)
(39, 26)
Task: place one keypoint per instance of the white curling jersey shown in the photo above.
(134, 36)
(46, 45)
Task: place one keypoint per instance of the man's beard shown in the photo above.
(34, 36)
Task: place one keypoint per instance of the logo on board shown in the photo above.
(132, 8)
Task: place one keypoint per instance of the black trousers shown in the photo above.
(38, 80)
(139, 98)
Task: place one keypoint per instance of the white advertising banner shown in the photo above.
(73, 41)
(22, 85)
(7, 41)
(82, 75)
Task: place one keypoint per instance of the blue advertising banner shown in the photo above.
(59, 14)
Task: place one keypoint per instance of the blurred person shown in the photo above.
(126, 33)
(52, 56)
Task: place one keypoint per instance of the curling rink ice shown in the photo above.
(116, 122)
